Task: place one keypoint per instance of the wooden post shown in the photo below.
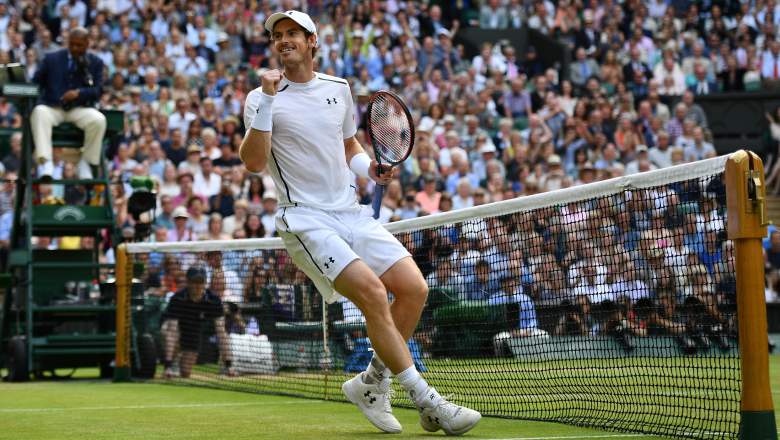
(123, 330)
(745, 194)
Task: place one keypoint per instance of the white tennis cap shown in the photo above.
(299, 17)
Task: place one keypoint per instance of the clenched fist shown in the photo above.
(270, 80)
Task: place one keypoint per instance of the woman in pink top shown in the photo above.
(429, 197)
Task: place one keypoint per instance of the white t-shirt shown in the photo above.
(310, 122)
(206, 187)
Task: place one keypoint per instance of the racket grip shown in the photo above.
(379, 192)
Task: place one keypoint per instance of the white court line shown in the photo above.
(186, 405)
(566, 437)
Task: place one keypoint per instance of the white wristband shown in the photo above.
(264, 118)
(360, 164)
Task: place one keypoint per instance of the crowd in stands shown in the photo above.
(491, 126)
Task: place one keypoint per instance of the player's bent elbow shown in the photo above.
(254, 167)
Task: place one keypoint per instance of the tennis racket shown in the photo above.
(391, 132)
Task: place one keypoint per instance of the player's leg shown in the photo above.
(188, 359)
(401, 276)
(358, 283)
(316, 248)
(410, 291)
(406, 282)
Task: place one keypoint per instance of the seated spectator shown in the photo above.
(445, 202)
(410, 207)
(181, 230)
(695, 111)
(253, 193)
(481, 286)
(253, 227)
(699, 148)
(582, 68)
(446, 276)
(227, 159)
(575, 319)
(164, 218)
(661, 154)
(198, 220)
(13, 159)
(554, 178)
(517, 100)
(214, 231)
(268, 215)
(73, 194)
(588, 280)
(461, 170)
(235, 222)
(771, 282)
(192, 164)
(772, 255)
(185, 190)
(462, 198)
(480, 196)
(207, 182)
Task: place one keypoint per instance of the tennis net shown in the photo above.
(609, 305)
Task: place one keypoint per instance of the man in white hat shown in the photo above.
(302, 128)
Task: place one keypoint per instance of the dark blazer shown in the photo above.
(737, 84)
(581, 39)
(628, 71)
(55, 77)
(712, 87)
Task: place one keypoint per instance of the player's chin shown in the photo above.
(291, 56)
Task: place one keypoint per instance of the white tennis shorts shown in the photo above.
(323, 243)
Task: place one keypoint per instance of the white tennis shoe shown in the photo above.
(374, 401)
(453, 419)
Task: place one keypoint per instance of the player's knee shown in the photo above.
(421, 291)
(416, 291)
(374, 304)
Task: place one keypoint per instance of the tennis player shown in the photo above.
(303, 129)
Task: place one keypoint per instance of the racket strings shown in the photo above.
(390, 128)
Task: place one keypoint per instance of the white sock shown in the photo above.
(376, 371)
(421, 393)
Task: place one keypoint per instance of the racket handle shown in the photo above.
(379, 192)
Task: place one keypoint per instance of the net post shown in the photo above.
(122, 361)
(745, 192)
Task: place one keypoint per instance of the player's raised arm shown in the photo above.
(256, 146)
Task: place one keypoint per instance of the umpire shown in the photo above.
(71, 81)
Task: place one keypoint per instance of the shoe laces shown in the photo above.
(387, 404)
(387, 392)
(447, 408)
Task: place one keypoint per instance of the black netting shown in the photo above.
(617, 312)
